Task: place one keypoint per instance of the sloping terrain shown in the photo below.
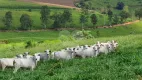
(61, 3)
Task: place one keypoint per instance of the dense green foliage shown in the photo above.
(67, 17)
(94, 19)
(138, 13)
(8, 19)
(99, 4)
(120, 6)
(26, 22)
(45, 15)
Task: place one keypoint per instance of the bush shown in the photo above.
(66, 38)
(30, 10)
(82, 35)
(30, 44)
(120, 6)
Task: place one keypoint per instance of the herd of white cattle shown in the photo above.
(28, 61)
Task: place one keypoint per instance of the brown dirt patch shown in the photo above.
(59, 3)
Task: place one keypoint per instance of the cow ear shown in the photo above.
(101, 44)
(114, 41)
(73, 48)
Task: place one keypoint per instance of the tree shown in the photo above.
(120, 6)
(138, 13)
(84, 11)
(67, 15)
(94, 19)
(58, 20)
(110, 15)
(126, 9)
(109, 6)
(115, 19)
(8, 19)
(45, 15)
(90, 5)
(124, 15)
(82, 3)
(30, 10)
(26, 22)
(83, 19)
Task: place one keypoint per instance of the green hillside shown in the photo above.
(35, 16)
(125, 64)
(103, 3)
(11, 36)
(16, 4)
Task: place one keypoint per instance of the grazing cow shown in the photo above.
(105, 48)
(6, 62)
(45, 56)
(63, 54)
(26, 55)
(25, 63)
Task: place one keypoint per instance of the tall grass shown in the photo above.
(125, 64)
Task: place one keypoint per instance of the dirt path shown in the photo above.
(57, 3)
(128, 23)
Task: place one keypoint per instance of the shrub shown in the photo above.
(66, 38)
(82, 35)
(30, 44)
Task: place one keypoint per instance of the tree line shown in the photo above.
(62, 19)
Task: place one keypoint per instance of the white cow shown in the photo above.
(45, 56)
(6, 62)
(90, 51)
(63, 54)
(37, 56)
(25, 63)
(114, 44)
(105, 47)
(26, 55)
(19, 56)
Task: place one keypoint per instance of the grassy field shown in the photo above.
(16, 4)
(18, 8)
(35, 16)
(125, 64)
(53, 35)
